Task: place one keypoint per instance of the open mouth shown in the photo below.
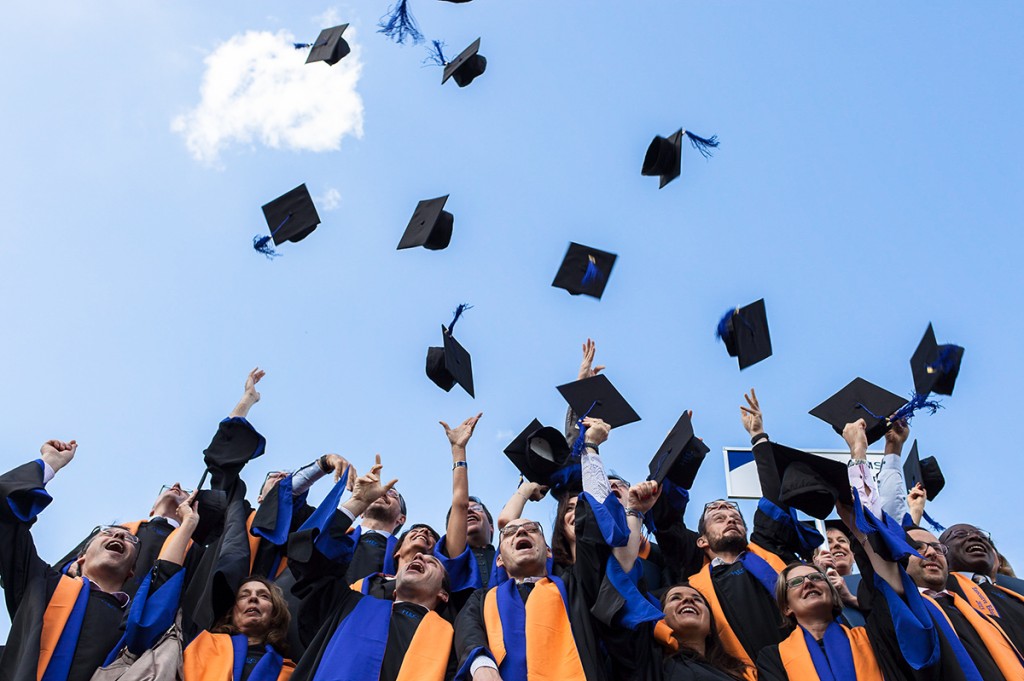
(253, 611)
(929, 565)
(417, 566)
(976, 549)
(115, 546)
(812, 592)
(523, 543)
(688, 610)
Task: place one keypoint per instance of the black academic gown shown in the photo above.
(593, 606)
(29, 584)
(1010, 609)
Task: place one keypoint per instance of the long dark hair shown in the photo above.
(715, 654)
(561, 545)
(280, 618)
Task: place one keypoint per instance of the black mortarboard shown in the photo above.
(925, 471)
(584, 270)
(599, 397)
(745, 334)
(430, 226)
(329, 46)
(291, 217)
(664, 157)
(451, 364)
(860, 400)
(935, 366)
(538, 452)
(466, 66)
(810, 483)
(680, 455)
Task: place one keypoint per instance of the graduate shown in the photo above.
(353, 636)
(64, 628)
(419, 538)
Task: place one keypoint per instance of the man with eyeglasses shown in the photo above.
(63, 627)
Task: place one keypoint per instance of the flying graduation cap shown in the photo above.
(539, 452)
(291, 217)
(810, 483)
(935, 367)
(584, 270)
(925, 471)
(329, 47)
(744, 331)
(430, 226)
(450, 364)
(665, 154)
(464, 68)
(680, 455)
(879, 408)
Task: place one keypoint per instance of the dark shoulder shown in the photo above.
(769, 665)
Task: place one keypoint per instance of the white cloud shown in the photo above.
(330, 17)
(504, 435)
(258, 90)
(330, 199)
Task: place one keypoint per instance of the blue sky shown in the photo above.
(867, 183)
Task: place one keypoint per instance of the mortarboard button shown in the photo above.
(810, 483)
(430, 226)
(329, 46)
(584, 270)
(664, 154)
(935, 367)
(680, 455)
(450, 364)
(745, 334)
(466, 67)
(291, 217)
(538, 452)
(860, 400)
(598, 398)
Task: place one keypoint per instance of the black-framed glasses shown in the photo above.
(817, 577)
(934, 545)
(721, 505)
(168, 488)
(528, 527)
(964, 533)
(117, 532)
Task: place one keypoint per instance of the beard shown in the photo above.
(379, 513)
(729, 543)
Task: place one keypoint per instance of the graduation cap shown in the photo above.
(935, 366)
(810, 483)
(539, 452)
(664, 154)
(584, 270)
(430, 226)
(466, 67)
(598, 398)
(680, 455)
(744, 331)
(925, 471)
(451, 364)
(861, 400)
(291, 217)
(329, 46)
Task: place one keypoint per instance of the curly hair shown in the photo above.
(280, 618)
(782, 593)
(715, 654)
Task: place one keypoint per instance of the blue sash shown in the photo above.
(808, 537)
(356, 649)
(888, 538)
(150, 616)
(963, 658)
(267, 669)
(278, 536)
(512, 612)
(915, 630)
(389, 549)
(761, 570)
(610, 517)
(60, 662)
(638, 608)
(836, 662)
(319, 521)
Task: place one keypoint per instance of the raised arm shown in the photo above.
(513, 508)
(916, 499)
(249, 395)
(891, 484)
(587, 370)
(639, 502)
(456, 532)
(176, 544)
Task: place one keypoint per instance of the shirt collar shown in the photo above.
(170, 521)
(120, 596)
(976, 577)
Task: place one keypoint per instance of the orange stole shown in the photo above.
(58, 610)
(551, 653)
(999, 646)
(797, 659)
(664, 635)
(702, 583)
(978, 598)
(254, 545)
(427, 656)
(211, 657)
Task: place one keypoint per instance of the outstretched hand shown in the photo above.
(57, 453)
(597, 430)
(856, 436)
(368, 488)
(643, 495)
(338, 464)
(187, 511)
(896, 437)
(587, 368)
(916, 498)
(460, 435)
(753, 420)
(250, 384)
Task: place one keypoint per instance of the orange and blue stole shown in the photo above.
(847, 656)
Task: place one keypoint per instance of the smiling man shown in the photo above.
(63, 628)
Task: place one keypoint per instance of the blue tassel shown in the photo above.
(935, 525)
(943, 364)
(917, 401)
(593, 273)
(399, 24)
(262, 245)
(722, 332)
(302, 46)
(435, 54)
(458, 313)
(704, 146)
(577, 445)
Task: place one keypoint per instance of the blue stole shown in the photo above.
(512, 612)
(267, 669)
(320, 520)
(836, 662)
(808, 537)
(638, 608)
(762, 571)
(150, 616)
(889, 538)
(60, 662)
(389, 549)
(356, 649)
(963, 658)
(278, 536)
(915, 629)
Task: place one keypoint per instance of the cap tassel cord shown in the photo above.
(931, 521)
(907, 411)
(577, 445)
(704, 146)
(262, 243)
(302, 46)
(593, 273)
(399, 24)
(435, 54)
(722, 332)
(944, 362)
(458, 313)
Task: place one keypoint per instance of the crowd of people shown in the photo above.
(620, 587)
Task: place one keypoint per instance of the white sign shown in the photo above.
(741, 472)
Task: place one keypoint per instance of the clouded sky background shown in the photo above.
(868, 182)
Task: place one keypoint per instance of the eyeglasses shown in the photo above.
(273, 474)
(119, 533)
(528, 527)
(393, 493)
(168, 488)
(934, 545)
(957, 535)
(721, 505)
(794, 582)
(476, 508)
